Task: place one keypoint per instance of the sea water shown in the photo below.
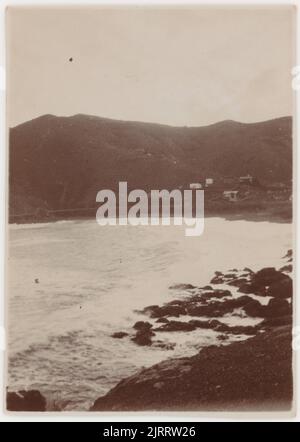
(72, 284)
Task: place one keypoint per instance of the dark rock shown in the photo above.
(267, 276)
(233, 270)
(162, 320)
(282, 288)
(277, 322)
(224, 328)
(142, 325)
(218, 293)
(217, 280)
(207, 287)
(143, 337)
(247, 270)
(223, 337)
(164, 345)
(254, 288)
(176, 326)
(230, 275)
(236, 330)
(255, 309)
(289, 254)
(277, 307)
(238, 282)
(214, 323)
(205, 310)
(119, 335)
(182, 287)
(207, 296)
(166, 310)
(255, 371)
(176, 302)
(200, 297)
(200, 324)
(241, 301)
(31, 400)
(144, 333)
(245, 288)
(218, 308)
(287, 268)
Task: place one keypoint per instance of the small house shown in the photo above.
(231, 195)
(209, 182)
(248, 179)
(195, 186)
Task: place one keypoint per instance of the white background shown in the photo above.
(89, 417)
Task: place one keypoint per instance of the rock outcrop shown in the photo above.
(246, 375)
(255, 372)
(31, 400)
(211, 302)
(143, 334)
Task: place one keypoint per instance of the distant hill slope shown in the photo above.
(61, 162)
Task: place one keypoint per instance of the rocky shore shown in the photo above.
(254, 373)
(250, 375)
(249, 367)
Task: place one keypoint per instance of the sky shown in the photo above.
(178, 66)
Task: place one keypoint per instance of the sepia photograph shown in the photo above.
(150, 235)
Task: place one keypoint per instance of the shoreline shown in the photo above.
(259, 216)
(249, 375)
(252, 373)
(244, 376)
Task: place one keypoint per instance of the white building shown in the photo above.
(194, 186)
(209, 182)
(231, 195)
(248, 179)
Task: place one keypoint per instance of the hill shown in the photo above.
(62, 162)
